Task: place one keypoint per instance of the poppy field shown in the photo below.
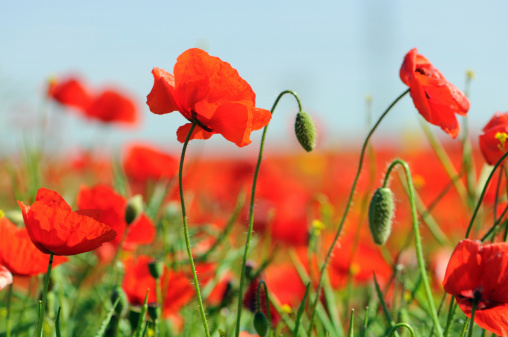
(378, 239)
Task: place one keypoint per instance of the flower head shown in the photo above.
(480, 272)
(493, 139)
(436, 99)
(208, 91)
(55, 228)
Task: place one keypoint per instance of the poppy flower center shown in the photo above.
(481, 303)
(195, 118)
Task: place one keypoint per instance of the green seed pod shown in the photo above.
(305, 131)
(134, 208)
(154, 311)
(261, 323)
(156, 268)
(123, 303)
(380, 215)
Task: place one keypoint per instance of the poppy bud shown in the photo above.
(154, 310)
(134, 314)
(156, 268)
(380, 215)
(305, 131)
(134, 208)
(261, 323)
(123, 303)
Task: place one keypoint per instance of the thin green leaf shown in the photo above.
(300, 311)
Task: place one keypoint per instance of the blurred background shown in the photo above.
(333, 54)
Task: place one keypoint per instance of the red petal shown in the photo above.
(51, 199)
(142, 231)
(260, 118)
(161, 99)
(231, 120)
(198, 133)
(112, 106)
(72, 93)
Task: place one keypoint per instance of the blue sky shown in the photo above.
(332, 53)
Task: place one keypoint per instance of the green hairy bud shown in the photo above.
(380, 215)
(305, 131)
(261, 323)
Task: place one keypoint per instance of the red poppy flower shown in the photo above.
(209, 91)
(436, 99)
(54, 227)
(137, 280)
(112, 207)
(143, 163)
(70, 92)
(19, 255)
(5, 277)
(492, 146)
(481, 272)
(111, 106)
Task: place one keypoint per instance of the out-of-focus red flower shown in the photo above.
(175, 285)
(111, 106)
(19, 255)
(209, 91)
(108, 106)
(5, 277)
(493, 139)
(246, 334)
(112, 207)
(70, 92)
(54, 227)
(480, 271)
(143, 162)
(436, 99)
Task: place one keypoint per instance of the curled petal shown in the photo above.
(161, 99)
(198, 133)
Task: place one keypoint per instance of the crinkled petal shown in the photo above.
(161, 99)
(494, 319)
(260, 118)
(51, 199)
(232, 121)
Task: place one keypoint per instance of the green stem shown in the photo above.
(186, 233)
(251, 208)
(472, 317)
(339, 230)
(418, 243)
(483, 193)
(451, 313)
(44, 297)
(402, 325)
(159, 328)
(8, 318)
(464, 328)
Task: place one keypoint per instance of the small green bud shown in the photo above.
(134, 315)
(305, 131)
(261, 323)
(156, 268)
(154, 310)
(123, 303)
(380, 215)
(134, 208)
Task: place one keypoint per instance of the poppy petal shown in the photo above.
(51, 199)
(161, 99)
(112, 106)
(231, 120)
(198, 133)
(260, 118)
(71, 92)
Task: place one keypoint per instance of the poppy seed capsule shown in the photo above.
(380, 215)
(305, 131)
(156, 268)
(134, 208)
(261, 323)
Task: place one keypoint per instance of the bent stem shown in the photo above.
(186, 232)
(251, 207)
(418, 243)
(346, 210)
(44, 296)
(402, 325)
(499, 162)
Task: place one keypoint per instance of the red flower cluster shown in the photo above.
(107, 106)
(436, 99)
(208, 91)
(54, 228)
(493, 139)
(480, 272)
